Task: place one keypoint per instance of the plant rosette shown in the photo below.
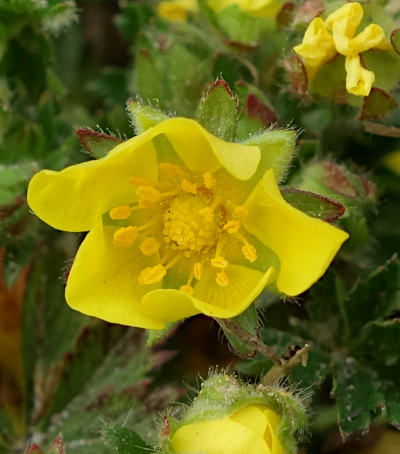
(231, 417)
(180, 223)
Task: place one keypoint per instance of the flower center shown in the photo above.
(189, 224)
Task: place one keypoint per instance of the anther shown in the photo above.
(148, 194)
(138, 181)
(152, 275)
(208, 180)
(125, 236)
(198, 270)
(219, 262)
(232, 226)
(222, 279)
(121, 212)
(249, 251)
(189, 187)
(240, 210)
(149, 246)
(186, 289)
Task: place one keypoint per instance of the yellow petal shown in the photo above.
(392, 161)
(253, 418)
(176, 10)
(317, 47)
(271, 433)
(168, 305)
(75, 197)
(103, 281)
(245, 284)
(359, 80)
(371, 37)
(217, 436)
(304, 245)
(347, 18)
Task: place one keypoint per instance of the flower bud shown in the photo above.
(232, 417)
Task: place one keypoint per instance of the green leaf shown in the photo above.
(377, 105)
(315, 205)
(358, 397)
(380, 341)
(314, 373)
(277, 149)
(13, 181)
(218, 111)
(395, 40)
(375, 297)
(125, 441)
(96, 143)
(386, 67)
(143, 116)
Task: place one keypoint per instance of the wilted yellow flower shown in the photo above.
(203, 217)
(251, 429)
(176, 10)
(261, 8)
(319, 45)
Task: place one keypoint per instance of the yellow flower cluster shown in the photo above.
(176, 10)
(252, 429)
(337, 34)
(184, 227)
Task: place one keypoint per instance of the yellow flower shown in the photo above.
(204, 216)
(260, 8)
(252, 429)
(319, 45)
(176, 10)
(392, 161)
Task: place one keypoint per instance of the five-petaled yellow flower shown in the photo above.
(251, 429)
(180, 222)
(319, 45)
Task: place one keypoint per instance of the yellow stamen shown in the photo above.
(148, 224)
(188, 186)
(125, 236)
(198, 270)
(186, 289)
(121, 212)
(152, 275)
(222, 279)
(219, 262)
(249, 251)
(138, 181)
(149, 246)
(208, 180)
(172, 169)
(148, 194)
(240, 210)
(232, 226)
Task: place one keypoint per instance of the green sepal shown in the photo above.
(143, 116)
(125, 441)
(315, 205)
(218, 111)
(96, 143)
(277, 148)
(155, 336)
(377, 105)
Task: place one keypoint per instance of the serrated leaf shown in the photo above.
(277, 150)
(96, 143)
(377, 105)
(380, 341)
(358, 397)
(125, 441)
(143, 116)
(217, 111)
(392, 403)
(315, 205)
(373, 298)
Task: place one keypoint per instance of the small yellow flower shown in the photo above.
(392, 161)
(176, 10)
(260, 8)
(203, 218)
(323, 40)
(252, 429)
